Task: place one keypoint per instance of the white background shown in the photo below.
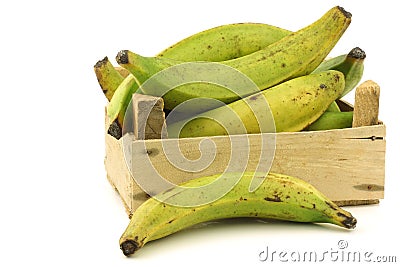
(57, 208)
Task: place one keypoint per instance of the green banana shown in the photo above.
(108, 77)
(279, 197)
(294, 105)
(225, 42)
(237, 40)
(332, 120)
(333, 107)
(120, 100)
(351, 64)
(295, 55)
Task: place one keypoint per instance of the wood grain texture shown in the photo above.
(117, 170)
(366, 104)
(334, 161)
(148, 117)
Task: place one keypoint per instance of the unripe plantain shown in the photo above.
(108, 77)
(293, 56)
(279, 197)
(351, 65)
(225, 42)
(294, 105)
(120, 99)
(332, 120)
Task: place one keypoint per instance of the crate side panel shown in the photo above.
(344, 164)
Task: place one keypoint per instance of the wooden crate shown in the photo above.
(347, 165)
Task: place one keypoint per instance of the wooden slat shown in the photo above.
(118, 173)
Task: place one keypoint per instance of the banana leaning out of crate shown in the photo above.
(108, 77)
(294, 105)
(279, 197)
(295, 55)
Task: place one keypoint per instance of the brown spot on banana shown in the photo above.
(254, 97)
(276, 198)
(331, 205)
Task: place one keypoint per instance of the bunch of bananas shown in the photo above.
(292, 79)
(273, 58)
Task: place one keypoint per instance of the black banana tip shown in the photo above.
(101, 62)
(348, 222)
(122, 57)
(345, 13)
(129, 247)
(115, 130)
(357, 53)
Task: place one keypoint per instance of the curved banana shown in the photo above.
(119, 102)
(295, 55)
(294, 104)
(108, 77)
(279, 197)
(332, 120)
(225, 42)
(351, 65)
